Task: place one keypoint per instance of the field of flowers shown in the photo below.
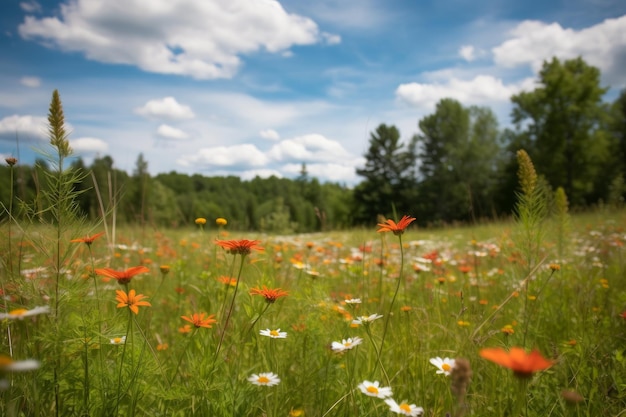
(390, 320)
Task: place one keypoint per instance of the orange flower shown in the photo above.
(396, 228)
(521, 363)
(198, 320)
(88, 240)
(123, 277)
(131, 300)
(242, 247)
(271, 295)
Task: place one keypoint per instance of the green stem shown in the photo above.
(230, 311)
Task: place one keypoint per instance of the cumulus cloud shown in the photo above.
(602, 45)
(481, 90)
(32, 82)
(312, 147)
(170, 132)
(89, 145)
(30, 6)
(467, 52)
(29, 126)
(165, 108)
(236, 156)
(201, 39)
(269, 134)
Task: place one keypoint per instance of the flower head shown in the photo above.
(118, 340)
(373, 389)
(20, 313)
(200, 221)
(198, 320)
(122, 277)
(444, 365)
(266, 379)
(396, 228)
(521, 363)
(346, 344)
(87, 240)
(220, 221)
(10, 161)
(271, 295)
(366, 319)
(241, 247)
(9, 365)
(274, 334)
(130, 300)
(404, 408)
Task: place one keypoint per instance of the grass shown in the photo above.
(459, 290)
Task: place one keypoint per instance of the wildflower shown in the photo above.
(274, 334)
(241, 247)
(396, 228)
(220, 221)
(521, 363)
(366, 319)
(165, 269)
(198, 320)
(507, 329)
(87, 240)
(555, 267)
(346, 344)
(228, 280)
(296, 412)
(444, 366)
(20, 313)
(118, 340)
(162, 346)
(131, 300)
(10, 161)
(373, 389)
(404, 408)
(9, 365)
(463, 323)
(271, 295)
(266, 379)
(122, 277)
(184, 329)
(353, 301)
(200, 221)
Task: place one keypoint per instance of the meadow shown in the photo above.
(387, 320)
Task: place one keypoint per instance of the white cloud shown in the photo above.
(481, 90)
(31, 126)
(32, 82)
(30, 6)
(467, 52)
(261, 173)
(311, 147)
(88, 145)
(326, 171)
(245, 155)
(269, 134)
(170, 132)
(165, 108)
(602, 45)
(201, 39)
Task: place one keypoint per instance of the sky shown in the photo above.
(260, 87)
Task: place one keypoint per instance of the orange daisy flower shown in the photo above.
(521, 363)
(88, 240)
(271, 295)
(396, 228)
(130, 300)
(242, 247)
(123, 277)
(198, 320)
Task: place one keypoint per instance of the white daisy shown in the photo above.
(118, 340)
(9, 365)
(366, 319)
(353, 301)
(266, 379)
(346, 344)
(274, 334)
(20, 313)
(444, 365)
(373, 389)
(404, 408)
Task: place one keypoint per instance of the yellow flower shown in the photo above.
(220, 221)
(200, 221)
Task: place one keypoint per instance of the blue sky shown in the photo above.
(258, 87)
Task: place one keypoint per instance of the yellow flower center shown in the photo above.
(405, 407)
(347, 344)
(117, 340)
(18, 312)
(263, 379)
(274, 333)
(446, 367)
(372, 389)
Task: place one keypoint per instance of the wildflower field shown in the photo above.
(391, 320)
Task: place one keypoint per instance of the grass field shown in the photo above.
(357, 312)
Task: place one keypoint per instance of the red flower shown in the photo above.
(123, 277)
(130, 300)
(198, 320)
(271, 295)
(520, 362)
(396, 228)
(242, 247)
(88, 240)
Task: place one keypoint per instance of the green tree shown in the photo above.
(562, 119)
(389, 176)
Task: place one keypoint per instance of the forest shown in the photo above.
(460, 167)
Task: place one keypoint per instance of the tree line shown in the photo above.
(460, 167)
